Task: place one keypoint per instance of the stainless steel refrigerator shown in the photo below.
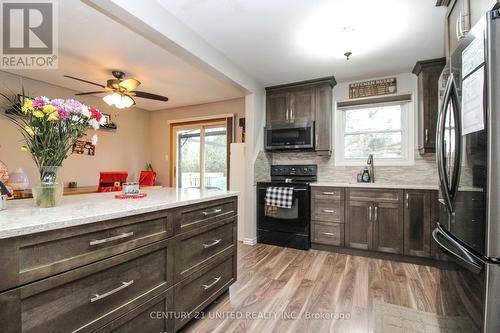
(468, 156)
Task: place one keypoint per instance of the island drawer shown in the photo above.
(197, 291)
(194, 249)
(48, 253)
(328, 211)
(329, 234)
(195, 216)
(82, 299)
(374, 195)
(327, 193)
(151, 316)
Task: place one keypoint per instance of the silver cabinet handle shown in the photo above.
(329, 193)
(213, 212)
(124, 285)
(208, 286)
(110, 239)
(376, 213)
(292, 117)
(407, 199)
(286, 115)
(457, 26)
(331, 211)
(215, 242)
(370, 213)
(328, 233)
(426, 135)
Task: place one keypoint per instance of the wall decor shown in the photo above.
(373, 88)
(83, 147)
(108, 123)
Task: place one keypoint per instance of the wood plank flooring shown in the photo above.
(288, 290)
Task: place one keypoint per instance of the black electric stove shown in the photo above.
(288, 227)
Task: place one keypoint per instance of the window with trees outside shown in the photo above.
(379, 129)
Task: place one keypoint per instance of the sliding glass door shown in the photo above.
(201, 153)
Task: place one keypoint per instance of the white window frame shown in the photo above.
(407, 130)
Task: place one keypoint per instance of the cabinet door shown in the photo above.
(388, 228)
(417, 223)
(302, 101)
(277, 107)
(455, 20)
(323, 119)
(358, 226)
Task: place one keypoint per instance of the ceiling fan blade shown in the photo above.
(143, 94)
(91, 93)
(90, 82)
(129, 84)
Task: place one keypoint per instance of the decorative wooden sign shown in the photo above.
(373, 88)
(82, 147)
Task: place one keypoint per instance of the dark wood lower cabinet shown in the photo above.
(417, 239)
(358, 230)
(388, 227)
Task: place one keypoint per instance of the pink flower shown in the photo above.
(96, 114)
(63, 114)
(70, 105)
(57, 102)
(39, 102)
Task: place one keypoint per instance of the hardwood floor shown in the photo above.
(288, 290)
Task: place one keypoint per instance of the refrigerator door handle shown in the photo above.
(457, 252)
(440, 153)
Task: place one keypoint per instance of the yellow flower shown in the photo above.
(53, 116)
(28, 106)
(29, 130)
(38, 114)
(49, 108)
(24, 148)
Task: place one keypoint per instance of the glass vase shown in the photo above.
(48, 193)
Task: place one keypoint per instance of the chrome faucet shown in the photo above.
(372, 168)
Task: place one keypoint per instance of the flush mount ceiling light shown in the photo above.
(360, 26)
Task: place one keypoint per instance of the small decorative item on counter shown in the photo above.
(4, 172)
(366, 175)
(50, 129)
(72, 184)
(18, 180)
(134, 196)
(359, 177)
(130, 188)
(4, 193)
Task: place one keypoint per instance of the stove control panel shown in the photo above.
(294, 170)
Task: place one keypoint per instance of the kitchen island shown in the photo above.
(112, 265)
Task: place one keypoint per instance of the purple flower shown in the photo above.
(58, 102)
(73, 106)
(63, 114)
(39, 102)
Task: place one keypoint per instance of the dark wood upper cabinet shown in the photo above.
(306, 101)
(417, 229)
(358, 227)
(428, 72)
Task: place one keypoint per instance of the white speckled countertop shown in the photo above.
(22, 217)
(379, 185)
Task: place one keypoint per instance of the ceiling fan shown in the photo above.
(120, 91)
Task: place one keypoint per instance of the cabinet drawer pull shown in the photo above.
(215, 242)
(110, 239)
(407, 199)
(329, 193)
(111, 292)
(213, 212)
(208, 286)
(328, 233)
(331, 211)
(370, 213)
(376, 213)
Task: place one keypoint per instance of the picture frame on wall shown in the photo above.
(110, 125)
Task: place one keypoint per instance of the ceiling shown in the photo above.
(91, 45)
(284, 41)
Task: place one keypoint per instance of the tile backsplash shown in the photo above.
(423, 172)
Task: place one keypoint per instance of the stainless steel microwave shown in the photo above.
(289, 136)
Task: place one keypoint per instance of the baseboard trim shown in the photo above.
(249, 241)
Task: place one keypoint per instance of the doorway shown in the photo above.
(200, 152)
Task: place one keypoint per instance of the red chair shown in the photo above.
(147, 178)
(112, 181)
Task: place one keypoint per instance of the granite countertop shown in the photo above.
(379, 185)
(22, 217)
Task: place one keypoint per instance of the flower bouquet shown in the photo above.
(50, 129)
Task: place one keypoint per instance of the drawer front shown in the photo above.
(195, 249)
(374, 195)
(50, 253)
(195, 293)
(151, 316)
(328, 211)
(89, 295)
(195, 216)
(327, 193)
(330, 234)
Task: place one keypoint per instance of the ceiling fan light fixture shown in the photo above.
(112, 99)
(124, 102)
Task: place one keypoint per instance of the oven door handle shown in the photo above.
(300, 190)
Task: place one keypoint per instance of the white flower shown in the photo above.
(75, 118)
(94, 124)
(93, 139)
(85, 111)
(102, 122)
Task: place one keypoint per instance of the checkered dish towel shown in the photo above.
(279, 197)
